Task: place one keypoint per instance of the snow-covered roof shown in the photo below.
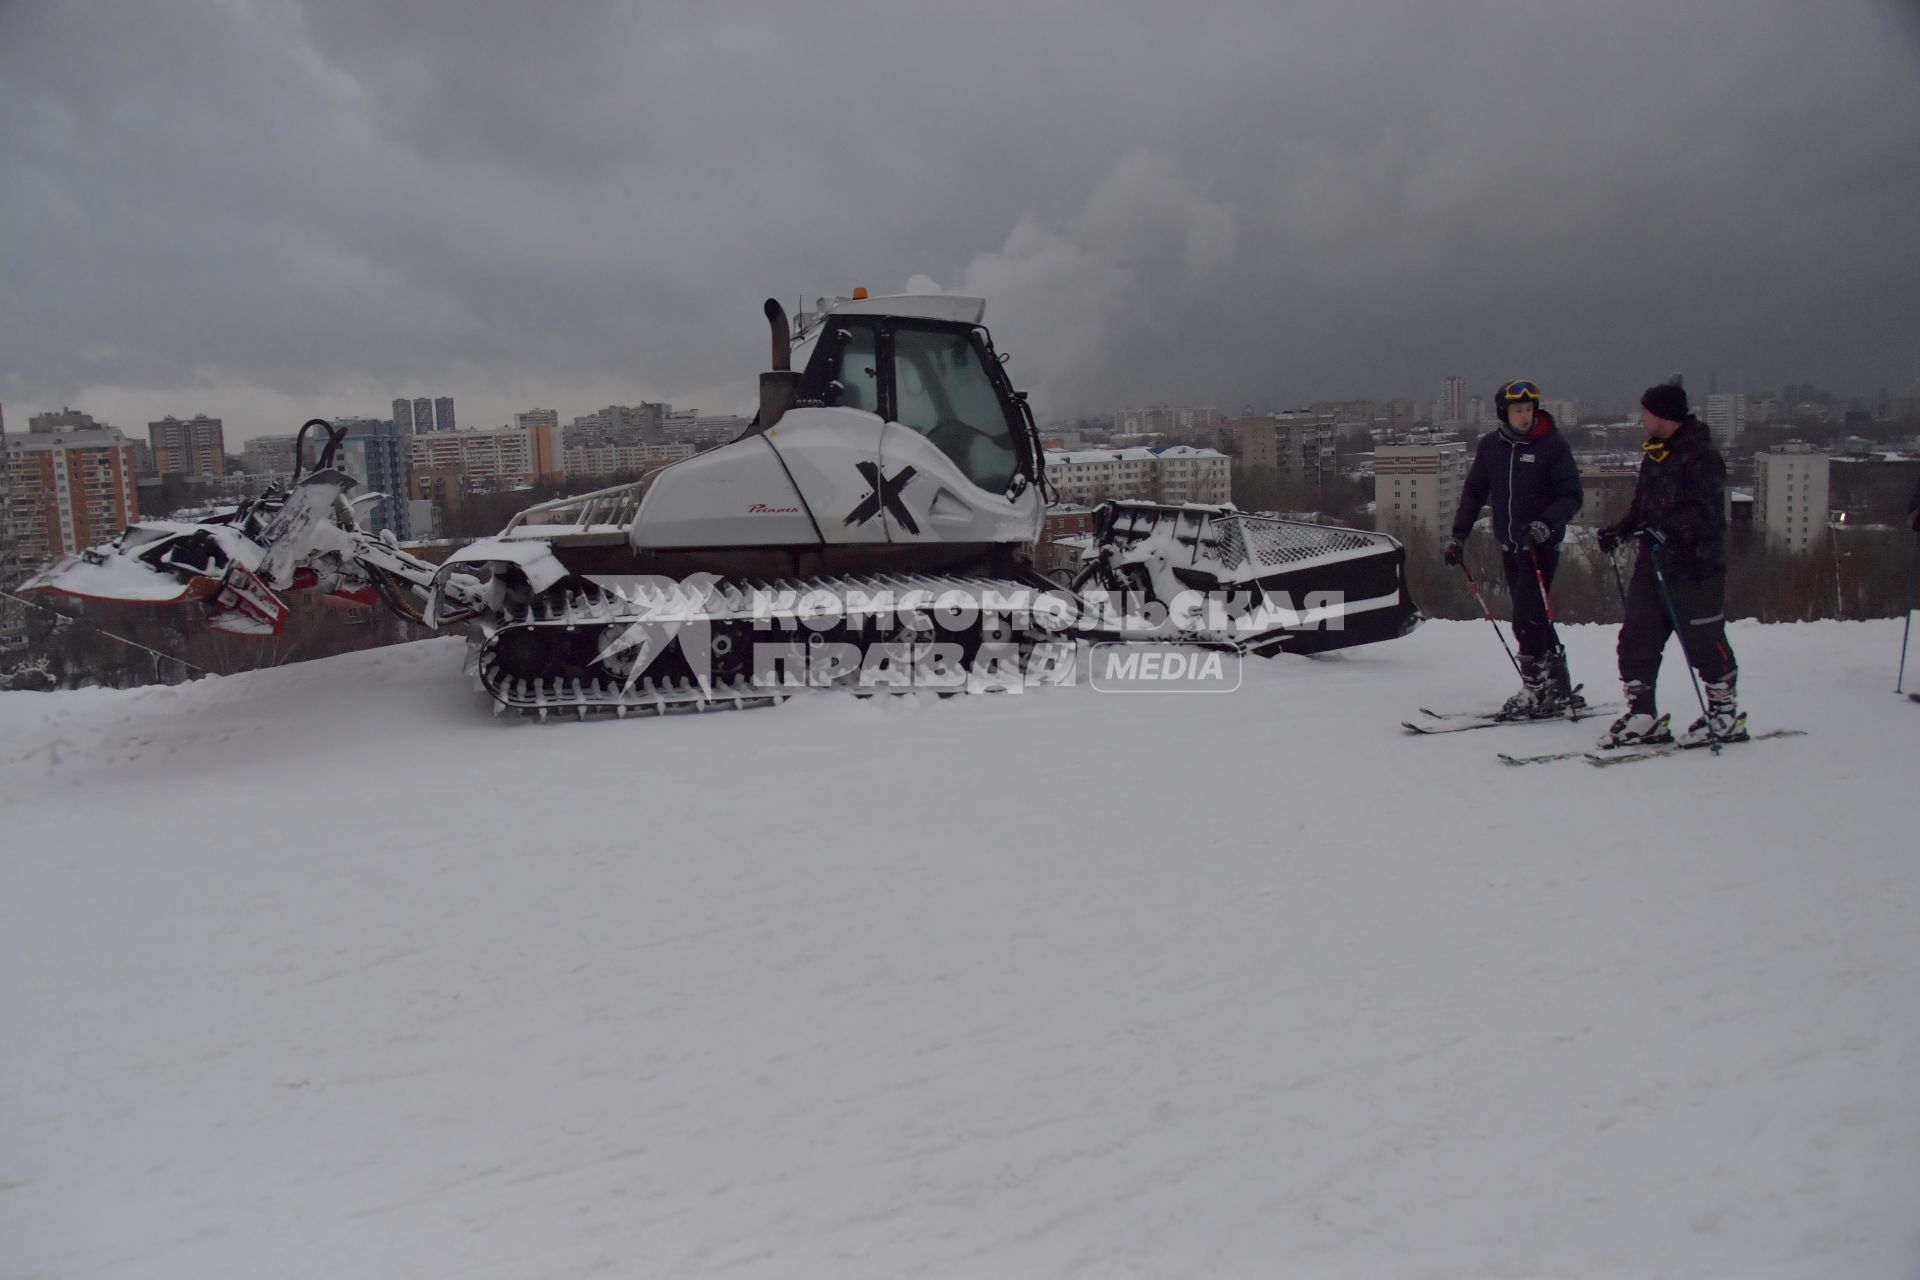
(1137, 453)
(923, 306)
(79, 438)
(1069, 457)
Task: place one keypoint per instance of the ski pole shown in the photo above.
(1613, 559)
(1490, 621)
(1913, 583)
(1619, 583)
(1673, 616)
(1541, 578)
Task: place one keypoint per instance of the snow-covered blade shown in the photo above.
(240, 560)
(1293, 586)
(153, 562)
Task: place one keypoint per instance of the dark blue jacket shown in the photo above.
(1522, 481)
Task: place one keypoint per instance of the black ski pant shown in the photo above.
(1697, 602)
(1532, 629)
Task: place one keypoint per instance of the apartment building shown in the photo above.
(506, 455)
(1302, 442)
(67, 490)
(194, 446)
(1416, 486)
(1790, 498)
(1181, 473)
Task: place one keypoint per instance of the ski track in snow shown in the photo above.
(324, 972)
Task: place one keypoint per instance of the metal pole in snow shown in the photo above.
(1913, 583)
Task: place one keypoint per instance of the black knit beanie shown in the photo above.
(1666, 401)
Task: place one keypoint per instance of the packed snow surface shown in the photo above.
(324, 972)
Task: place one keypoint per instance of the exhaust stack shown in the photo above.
(781, 384)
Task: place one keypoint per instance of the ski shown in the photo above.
(1480, 715)
(1578, 753)
(1913, 697)
(1462, 724)
(1626, 755)
(1459, 715)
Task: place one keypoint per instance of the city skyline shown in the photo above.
(1277, 200)
(1619, 405)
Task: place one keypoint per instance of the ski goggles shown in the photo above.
(1520, 391)
(1656, 449)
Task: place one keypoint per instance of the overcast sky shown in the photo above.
(266, 209)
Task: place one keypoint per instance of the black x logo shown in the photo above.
(883, 492)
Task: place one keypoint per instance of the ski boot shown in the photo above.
(1724, 721)
(1642, 725)
(1561, 682)
(1538, 698)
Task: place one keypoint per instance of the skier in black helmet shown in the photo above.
(1526, 473)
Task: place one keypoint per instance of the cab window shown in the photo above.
(845, 369)
(944, 390)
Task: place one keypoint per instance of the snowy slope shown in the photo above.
(323, 972)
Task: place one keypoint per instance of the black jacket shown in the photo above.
(1523, 481)
(1683, 498)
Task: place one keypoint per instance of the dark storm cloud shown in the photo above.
(1210, 202)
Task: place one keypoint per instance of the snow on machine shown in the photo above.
(872, 529)
(239, 560)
